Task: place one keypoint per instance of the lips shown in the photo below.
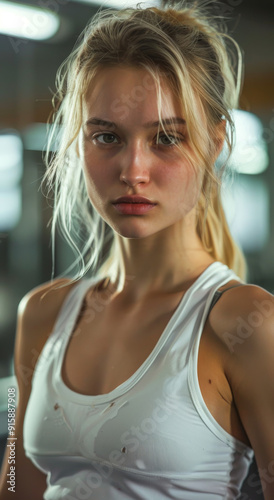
(134, 199)
(133, 208)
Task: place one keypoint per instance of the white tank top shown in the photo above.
(151, 438)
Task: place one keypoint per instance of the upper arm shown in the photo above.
(251, 347)
(36, 316)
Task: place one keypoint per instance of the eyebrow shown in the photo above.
(166, 121)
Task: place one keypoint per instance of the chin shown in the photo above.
(132, 235)
(131, 230)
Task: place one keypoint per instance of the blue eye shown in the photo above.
(107, 138)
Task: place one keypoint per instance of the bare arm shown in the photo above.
(252, 378)
(36, 316)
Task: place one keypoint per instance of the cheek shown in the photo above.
(183, 185)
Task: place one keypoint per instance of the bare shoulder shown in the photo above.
(43, 303)
(244, 316)
(243, 323)
(242, 326)
(37, 313)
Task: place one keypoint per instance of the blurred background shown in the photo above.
(33, 43)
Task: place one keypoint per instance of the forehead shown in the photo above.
(123, 92)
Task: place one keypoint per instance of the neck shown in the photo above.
(167, 261)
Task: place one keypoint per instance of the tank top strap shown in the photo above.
(193, 382)
(73, 303)
(219, 293)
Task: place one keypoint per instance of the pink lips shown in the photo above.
(133, 205)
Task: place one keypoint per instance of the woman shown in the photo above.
(147, 386)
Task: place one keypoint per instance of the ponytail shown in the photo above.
(213, 230)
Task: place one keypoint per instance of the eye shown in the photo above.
(168, 140)
(105, 138)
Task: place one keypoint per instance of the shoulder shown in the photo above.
(244, 317)
(42, 304)
(37, 313)
(247, 335)
(242, 323)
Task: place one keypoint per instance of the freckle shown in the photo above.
(112, 404)
(123, 450)
(209, 380)
(56, 406)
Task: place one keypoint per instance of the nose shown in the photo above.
(134, 164)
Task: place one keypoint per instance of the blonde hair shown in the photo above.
(182, 44)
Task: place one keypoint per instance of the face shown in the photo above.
(123, 154)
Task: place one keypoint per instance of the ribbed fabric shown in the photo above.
(151, 438)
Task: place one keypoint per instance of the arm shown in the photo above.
(252, 377)
(36, 316)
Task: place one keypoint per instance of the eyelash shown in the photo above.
(175, 139)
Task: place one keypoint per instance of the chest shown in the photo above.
(107, 348)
